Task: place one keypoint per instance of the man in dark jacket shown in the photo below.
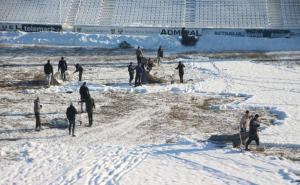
(80, 70)
(138, 75)
(71, 115)
(84, 94)
(253, 129)
(131, 72)
(181, 71)
(37, 110)
(139, 54)
(48, 69)
(90, 106)
(62, 67)
(160, 55)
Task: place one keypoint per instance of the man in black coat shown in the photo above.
(131, 72)
(90, 106)
(62, 67)
(160, 54)
(84, 94)
(181, 71)
(253, 129)
(139, 54)
(48, 69)
(80, 70)
(71, 115)
(138, 75)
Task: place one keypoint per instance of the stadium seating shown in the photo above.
(88, 12)
(291, 13)
(34, 11)
(149, 13)
(231, 13)
(156, 13)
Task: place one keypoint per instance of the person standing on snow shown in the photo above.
(138, 75)
(71, 115)
(160, 54)
(80, 70)
(181, 71)
(131, 72)
(84, 94)
(37, 110)
(245, 121)
(90, 106)
(48, 69)
(62, 67)
(253, 131)
(139, 55)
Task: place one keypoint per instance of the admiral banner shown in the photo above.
(136, 30)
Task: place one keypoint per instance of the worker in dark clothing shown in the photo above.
(253, 128)
(139, 55)
(90, 106)
(84, 94)
(37, 110)
(138, 75)
(80, 70)
(71, 115)
(48, 69)
(131, 72)
(181, 71)
(160, 54)
(62, 67)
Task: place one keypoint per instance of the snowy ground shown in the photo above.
(154, 134)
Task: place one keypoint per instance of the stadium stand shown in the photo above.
(149, 13)
(231, 14)
(241, 14)
(89, 12)
(290, 13)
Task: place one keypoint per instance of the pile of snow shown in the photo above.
(209, 42)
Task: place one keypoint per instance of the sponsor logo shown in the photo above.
(230, 33)
(9, 27)
(40, 27)
(178, 32)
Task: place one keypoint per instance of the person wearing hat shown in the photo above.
(253, 131)
(37, 109)
(71, 115)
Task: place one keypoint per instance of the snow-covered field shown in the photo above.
(154, 134)
(127, 145)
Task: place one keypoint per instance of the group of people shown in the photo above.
(139, 69)
(85, 98)
(253, 123)
(62, 68)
